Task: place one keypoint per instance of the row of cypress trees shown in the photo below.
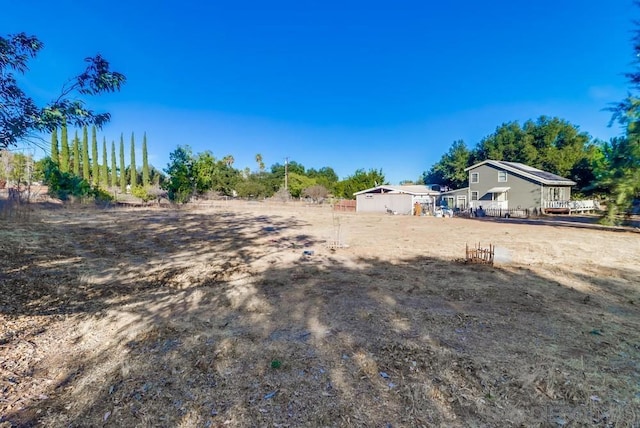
(75, 159)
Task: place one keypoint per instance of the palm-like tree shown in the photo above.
(228, 160)
(260, 162)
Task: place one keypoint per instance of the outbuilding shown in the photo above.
(396, 199)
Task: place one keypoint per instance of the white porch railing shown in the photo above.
(573, 206)
(495, 205)
(490, 205)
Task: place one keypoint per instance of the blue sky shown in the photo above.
(349, 84)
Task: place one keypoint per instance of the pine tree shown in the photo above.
(76, 155)
(55, 156)
(95, 166)
(114, 170)
(132, 166)
(123, 176)
(145, 162)
(104, 171)
(64, 149)
(85, 154)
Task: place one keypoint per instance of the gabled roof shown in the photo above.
(527, 171)
(415, 190)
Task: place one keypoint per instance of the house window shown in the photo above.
(474, 196)
(556, 194)
(502, 196)
(475, 177)
(502, 176)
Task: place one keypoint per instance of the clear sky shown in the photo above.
(347, 84)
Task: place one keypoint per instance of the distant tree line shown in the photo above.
(202, 174)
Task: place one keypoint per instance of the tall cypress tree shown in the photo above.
(132, 166)
(64, 149)
(114, 170)
(95, 166)
(104, 171)
(123, 176)
(55, 156)
(85, 154)
(145, 162)
(76, 155)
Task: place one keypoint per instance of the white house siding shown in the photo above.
(401, 203)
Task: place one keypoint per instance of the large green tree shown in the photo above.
(450, 169)
(21, 116)
(180, 184)
(278, 169)
(360, 180)
(204, 171)
(297, 183)
(254, 186)
(215, 175)
(325, 177)
(622, 164)
(549, 143)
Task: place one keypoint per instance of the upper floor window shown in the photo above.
(502, 176)
(475, 177)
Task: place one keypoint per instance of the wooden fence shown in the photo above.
(480, 255)
(345, 205)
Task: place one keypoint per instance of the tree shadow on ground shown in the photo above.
(117, 254)
(576, 222)
(262, 334)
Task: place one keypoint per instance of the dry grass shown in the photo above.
(159, 317)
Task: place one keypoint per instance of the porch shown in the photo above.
(570, 207)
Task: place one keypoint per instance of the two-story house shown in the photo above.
(510, 185)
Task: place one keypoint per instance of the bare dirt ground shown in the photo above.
(216, 316)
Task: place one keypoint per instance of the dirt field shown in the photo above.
(241, 315)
